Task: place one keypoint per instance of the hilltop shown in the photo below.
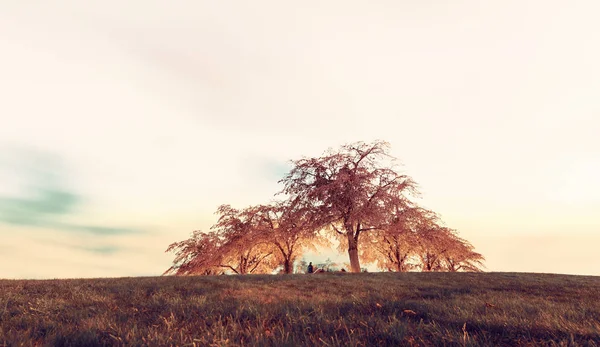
(472, 309)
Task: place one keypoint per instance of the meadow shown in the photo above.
(331, 309)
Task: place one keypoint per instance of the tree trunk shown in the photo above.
(243, 262)
(287, 266)
(353, 253)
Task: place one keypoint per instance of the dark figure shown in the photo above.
(310, 268)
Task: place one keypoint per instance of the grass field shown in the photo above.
(410, 309)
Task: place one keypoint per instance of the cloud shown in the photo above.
(43, 198)
(97, 230)
(38, 192)
(38, 210)
(104, 250)
(87, 244)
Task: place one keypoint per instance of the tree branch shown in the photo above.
(231, 267)
(367, 229)
(337, 230)
(259, 261)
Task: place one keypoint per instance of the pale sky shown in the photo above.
(124, 124)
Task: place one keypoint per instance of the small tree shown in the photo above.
(198, 255)
(244, 250)
(288, 226)
(233, 244)
(460, 256)
(351, 189)
(432, 241)
(393, 246)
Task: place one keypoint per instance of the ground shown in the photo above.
(343, 309)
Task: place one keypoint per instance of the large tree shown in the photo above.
(353, 189)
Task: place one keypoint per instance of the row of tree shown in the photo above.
(354, 196)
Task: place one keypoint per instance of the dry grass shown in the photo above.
(412, 309)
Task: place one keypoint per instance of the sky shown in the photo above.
(125, 124)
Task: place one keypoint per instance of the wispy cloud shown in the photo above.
(88, 244)
(44, 199)
(39, 210)
(97, 230)
(100, 250)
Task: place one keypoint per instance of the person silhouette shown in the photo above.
(310, 268)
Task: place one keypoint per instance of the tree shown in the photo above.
(198, 255)
(441, 249)
(256, 239)
(460, 256)
(209, 254)
(433, 241)
(393, 246)
(245, 249)
(352, 190)
(415, 233)
(233, 245)
(290, 227)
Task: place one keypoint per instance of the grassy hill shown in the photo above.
(453, 309)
